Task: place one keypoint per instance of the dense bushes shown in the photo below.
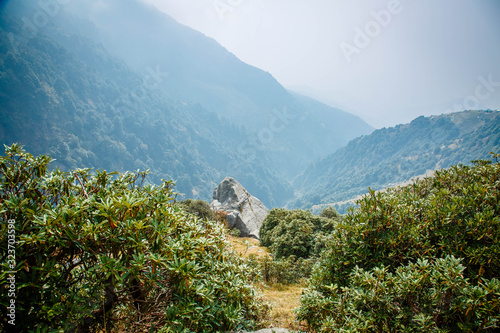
(297, 232)
(425, 296)
(101, 250)
(289, 270)
(425, 257)
(296, 238)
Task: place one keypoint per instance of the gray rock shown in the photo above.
(244, 211)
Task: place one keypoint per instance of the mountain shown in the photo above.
(199, 70)
(327, 127)
(119, 85)
(63, 95)
(393, 155)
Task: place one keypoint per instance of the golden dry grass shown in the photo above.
(283, 298)
(247, 246)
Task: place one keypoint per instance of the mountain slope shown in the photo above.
(330, 127)
(202, 71)
(66, 96)
(119, 85)
(396, 154)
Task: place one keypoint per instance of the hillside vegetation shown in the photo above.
(392, 155)
(99, 250)
(118, 85)
(66, 96)
(420, 258)
(102, 251)
(201, 71)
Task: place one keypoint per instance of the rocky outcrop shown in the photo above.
(244, 211)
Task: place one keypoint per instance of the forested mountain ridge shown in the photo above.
(392, 155)
(94, 86)
(199, 70)
(83, 106)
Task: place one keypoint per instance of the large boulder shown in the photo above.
(244, 211)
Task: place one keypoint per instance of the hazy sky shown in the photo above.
(387, 61)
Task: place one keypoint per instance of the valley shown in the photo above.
(118, 122)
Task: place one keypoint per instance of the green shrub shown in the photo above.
(284, 271)
(296, 238)
(330, 213)
(235, 232)
(426, 296)
(199, 208)
(101, 250)
(295, 232)
(455, 214)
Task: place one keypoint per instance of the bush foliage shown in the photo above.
(296, 238)
(425, 257)
(297, 232)
(201, 209)
(101, 250)
(287, 270)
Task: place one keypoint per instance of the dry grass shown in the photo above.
(247, 246)
(283, 298)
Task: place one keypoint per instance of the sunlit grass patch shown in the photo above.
(247, 246)
(284, 299)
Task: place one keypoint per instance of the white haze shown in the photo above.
(428, 57)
